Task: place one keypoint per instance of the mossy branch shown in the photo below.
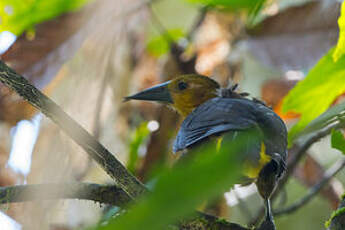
(105, 194)
(337, 219)
(98, 152)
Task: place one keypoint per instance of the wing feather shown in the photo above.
(215, 116)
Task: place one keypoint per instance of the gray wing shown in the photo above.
(215, 116)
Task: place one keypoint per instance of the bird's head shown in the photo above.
(184, 93)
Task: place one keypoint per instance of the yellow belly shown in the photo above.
(250, 170)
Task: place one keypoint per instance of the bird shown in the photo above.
(210, 112)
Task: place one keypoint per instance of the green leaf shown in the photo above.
(313, 95)
(340, 48)
(229, 4)
(338, 140)
(18, 16)
(180, 190)
(159, 45)
(339, 212)
(140, 135)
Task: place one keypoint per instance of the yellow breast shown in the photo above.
(251, 170)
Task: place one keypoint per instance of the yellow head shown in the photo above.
(184, 93)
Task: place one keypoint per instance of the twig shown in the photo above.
(329, 174)
(197, 23)
(98, 152)
(106, 194)
(96, 128)
(117, 37)
(176, 50)
(100, 102)
(298, 151)
(159, 25)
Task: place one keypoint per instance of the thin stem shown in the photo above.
(329, 174)
(298, 151)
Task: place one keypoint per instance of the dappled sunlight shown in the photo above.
(6, 40)
(239, 192)
(7, 223)
(24, 138)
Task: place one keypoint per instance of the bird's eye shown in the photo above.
(182, 85)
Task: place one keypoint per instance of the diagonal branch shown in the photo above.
(106, 194)
(298, 151)
(98, 152)
(329, 174)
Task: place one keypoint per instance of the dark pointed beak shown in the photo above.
(156, 93)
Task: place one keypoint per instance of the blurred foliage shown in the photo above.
(180, 190)
(230, 4)
(18, 16)
(338, 140)
(313, 95)
(176, 193)
(139, 136)
(254, 12)
(340, 49)
(160, 45)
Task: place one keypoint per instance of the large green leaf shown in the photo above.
(180, 190)
(20, 15)
(338, 141)
(340, 49)
(313, 95)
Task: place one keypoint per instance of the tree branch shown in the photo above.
(106, 194)
(298, 151)
(329, 174)
(98, 152)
